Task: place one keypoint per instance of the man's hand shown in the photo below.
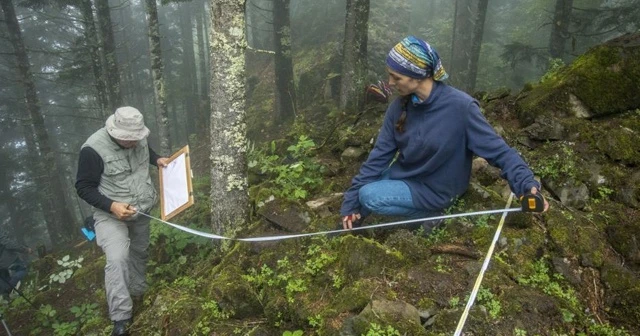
(162, 162)
(347, 221)
(122, 210)
(534, 191)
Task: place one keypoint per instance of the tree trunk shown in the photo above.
(189, 79)
(462, 36)
(285, 93)
(112, 75)
(91, 37)
(203, 99)
(157, 68)
(229, 194)
(560, 28)
(476, 44)
(354, 62)
(48, 175)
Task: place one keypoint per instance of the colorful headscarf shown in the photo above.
(415, 58)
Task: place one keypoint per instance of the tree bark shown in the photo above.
(476, 44)
(203, 99)
(157, 69)
(560, 28)
(229, 194)
(112, 74)
(91, 37)
(285, 93)
(468, 29)
(60, 222)
(189, 79)
(460, 51)
(354, 62)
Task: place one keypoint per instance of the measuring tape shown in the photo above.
(528, 202)
(538, 206)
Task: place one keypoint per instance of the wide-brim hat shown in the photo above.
(127, 123)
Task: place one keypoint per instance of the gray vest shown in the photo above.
(126, 171)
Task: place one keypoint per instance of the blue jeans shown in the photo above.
(391, 198)
(18, 271)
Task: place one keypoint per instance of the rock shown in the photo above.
(571, 193)
(352, 155)
(578, 108)
(318, 202)
(545, 128)
(564, 267)
(402, 316)
(285, 217)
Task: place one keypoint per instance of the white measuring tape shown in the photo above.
(271, 238)
(476, 286)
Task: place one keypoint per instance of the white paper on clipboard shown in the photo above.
(175, 184)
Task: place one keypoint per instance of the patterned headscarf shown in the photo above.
(415, 58)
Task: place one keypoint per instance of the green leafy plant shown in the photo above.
(85, 312)
(318, 259)
(377, 330)
(292, 176)
(65, 328)
(519, 332)
(293, 333)
(316, 320)
(549, 283)
(454, 302)
(67, 272)
(487, 299)
(46, 315)
(558, 165)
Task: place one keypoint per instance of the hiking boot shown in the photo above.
(121, 328)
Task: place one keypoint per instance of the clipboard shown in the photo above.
(176, 190)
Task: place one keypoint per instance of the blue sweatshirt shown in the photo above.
(441, 136)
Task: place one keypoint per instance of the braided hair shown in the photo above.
(403, 115)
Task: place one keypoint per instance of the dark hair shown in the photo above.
(403, 116)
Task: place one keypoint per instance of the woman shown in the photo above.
(435, 129)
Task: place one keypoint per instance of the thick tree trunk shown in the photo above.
(60, 222)
(462, 36)
(229, 194)
(157, 68)
(354, 62)
(91, 36)
(468, 29)
(112, 74)
(476, 44)
(189, 79)
(560, 28)
(285, 93)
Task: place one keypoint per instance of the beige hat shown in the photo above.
(127, 123)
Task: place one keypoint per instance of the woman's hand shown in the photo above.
(347, 221)
(534, 191)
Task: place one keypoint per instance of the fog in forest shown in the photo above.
(87, 57)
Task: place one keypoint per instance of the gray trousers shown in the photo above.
(125, 244)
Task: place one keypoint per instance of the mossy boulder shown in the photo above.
(622, 294)
(578, 238)
(362, 258)
(603, 81)
(235, 294)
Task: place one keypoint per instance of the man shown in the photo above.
(113, 177)
(12, 267)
